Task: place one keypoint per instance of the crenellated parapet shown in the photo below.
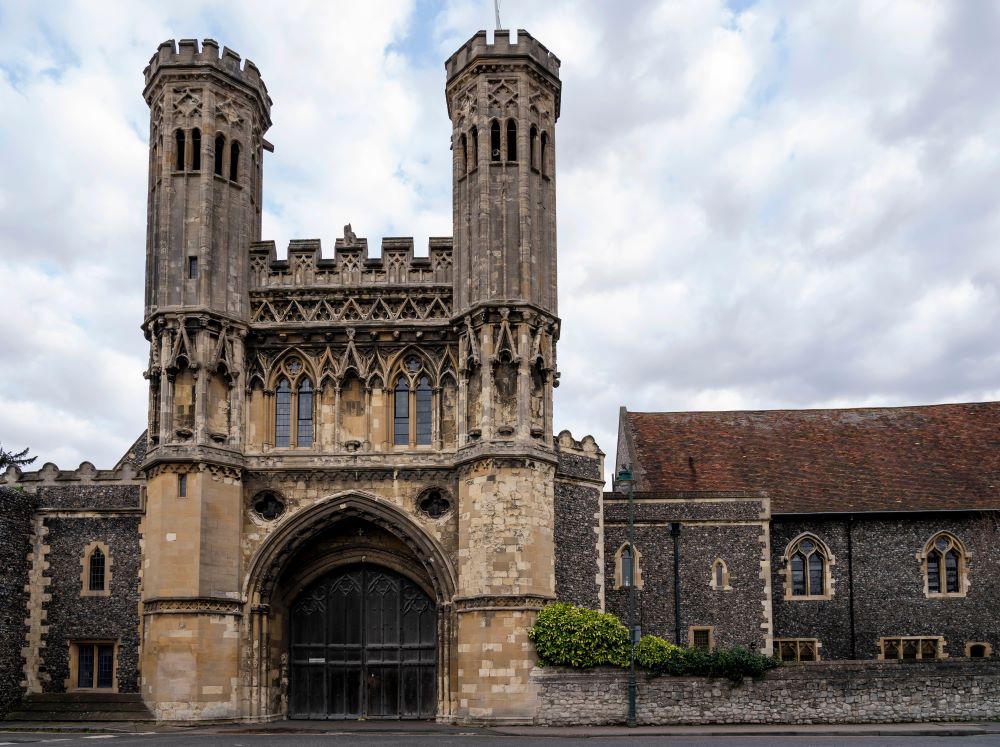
(478, 48)
(350, 266)
(187, 53)
(50, 475)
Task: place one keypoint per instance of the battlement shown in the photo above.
(186, 53)
(477, 48)
(87, 473)
(350, 265)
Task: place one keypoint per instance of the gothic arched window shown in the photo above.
(95, 571)
(533, 147)
(463, 153)
(628, 568)
(220, 149)
(424, 410)
(234, 160)
(474, 160)
(808, 568)
(401, 413)
(511, 140)
(944, 566)
(543, 165)
(283, 414)
(495, 152)
(179, 150)
(195, 149)
(304, 430)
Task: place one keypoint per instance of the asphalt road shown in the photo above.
(179, 739)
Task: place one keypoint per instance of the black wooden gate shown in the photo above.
(363, 643)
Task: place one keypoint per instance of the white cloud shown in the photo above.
(785, 207)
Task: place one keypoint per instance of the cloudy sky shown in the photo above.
(761, 204)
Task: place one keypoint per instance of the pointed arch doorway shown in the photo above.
(363, 644)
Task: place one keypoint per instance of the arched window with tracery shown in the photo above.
(511, 140)
(195, 149)
(234, 160)
(808, 569)
(304, 429)
(283, 414)
(179, 150)
(401, 413)
(944, 561)
(220, 150)
(423, 411)
(495, 152)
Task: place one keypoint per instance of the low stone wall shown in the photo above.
(821, 693)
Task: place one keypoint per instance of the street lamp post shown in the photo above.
(625, 485)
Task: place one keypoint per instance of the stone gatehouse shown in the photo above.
(351, 500)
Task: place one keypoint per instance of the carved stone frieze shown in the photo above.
(404, 305)
(491, 602)
(195, 606)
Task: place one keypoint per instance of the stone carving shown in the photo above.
(187, 102)
(503, 95)
(227, 111)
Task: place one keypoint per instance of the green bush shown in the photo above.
(569, 636)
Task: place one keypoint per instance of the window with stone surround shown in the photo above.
(911, 647)
(796, 649)
(807, 569)
(978, 650)
(93, 665)
(720, 576)
(495, 151)
(95, 571)
(944, 565)
(701, 637)
(628, 567)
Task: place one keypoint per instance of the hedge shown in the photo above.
(570, 636)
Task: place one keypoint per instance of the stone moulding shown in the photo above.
(494, 602)
(192, 605)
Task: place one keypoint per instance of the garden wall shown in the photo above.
(820, 693)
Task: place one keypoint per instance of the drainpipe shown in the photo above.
(850, 581)
(675, 534)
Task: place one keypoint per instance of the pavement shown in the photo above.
(934, 729)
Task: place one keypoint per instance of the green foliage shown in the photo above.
(569, 636)
(661, 657)
(565, 635)
(19, 458)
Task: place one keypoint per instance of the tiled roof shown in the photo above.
(930, 458)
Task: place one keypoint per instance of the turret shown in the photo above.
(503, 101)
(208, 116)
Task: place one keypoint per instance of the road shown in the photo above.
(425, 739)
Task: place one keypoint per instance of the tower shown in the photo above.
(503, 101)
(207, 119)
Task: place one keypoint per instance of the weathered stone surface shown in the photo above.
(16, 508)
(839, 693)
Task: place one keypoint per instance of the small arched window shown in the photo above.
(220, 149)
(808, 568)
(474, 156)
(533, 147)
(495, 152)
(463, 153)
(304, 431)
(628, 567)
(944, 566)
(720, 576)
(234, 161)
(195, 149)
(423, 411)
(511, 140)
(283, 414)
(401, 413)
(179, 150)
(543, 158)
(96, 574)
